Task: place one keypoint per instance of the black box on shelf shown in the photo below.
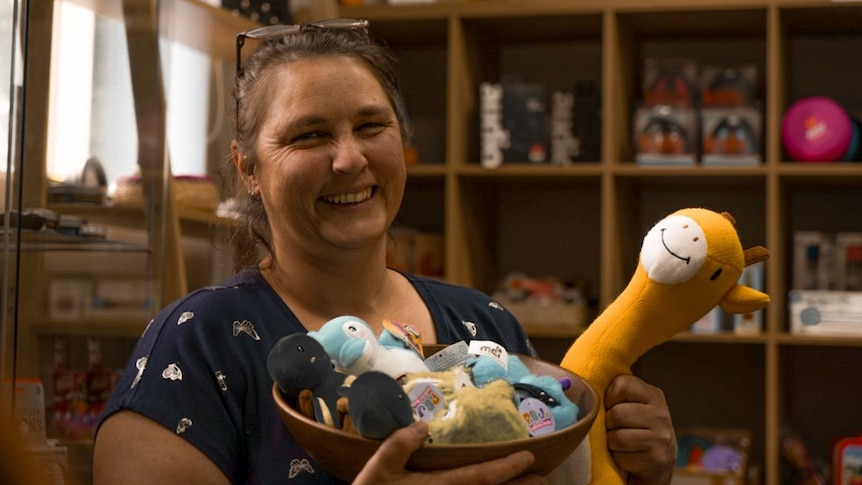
(576, 129)
(513, 123)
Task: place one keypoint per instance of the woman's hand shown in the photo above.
(640, 433)
(388, 464)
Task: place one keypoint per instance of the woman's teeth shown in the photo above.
(349, 198)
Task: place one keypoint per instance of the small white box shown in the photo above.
(67, 298)
(121, 297)
(848, 261)
(817, 312)
(712, 322)
(750, 323)
(813, 261)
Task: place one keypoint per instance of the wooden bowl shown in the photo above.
(344, 454)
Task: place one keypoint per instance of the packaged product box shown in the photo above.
(524, 112)
(68, 298)
(728, 86)
(813, 261)
(670, 82)
(121, 297)
(576, 124)
(712, 456)
(848, 261)
(513, 124)
(50, 459)
(731, 136)
(824, 312)
(847, 461)
(712, 322)
(665, 136)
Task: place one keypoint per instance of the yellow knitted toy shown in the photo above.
(690, 262)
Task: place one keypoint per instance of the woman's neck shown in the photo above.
(321, 288)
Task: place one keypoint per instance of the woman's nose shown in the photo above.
(349, 157)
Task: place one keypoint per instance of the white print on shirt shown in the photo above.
(472, 327)
(141, 364)
(245, 327)
(221, 379)
(172, 372)
(185, 317)
(297, 466)
(183, 425)
(494, 304)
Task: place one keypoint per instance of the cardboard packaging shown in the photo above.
(818, 312)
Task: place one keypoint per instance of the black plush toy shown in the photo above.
(377, 405)
(298, 362)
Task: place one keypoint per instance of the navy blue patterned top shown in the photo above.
(200, 369)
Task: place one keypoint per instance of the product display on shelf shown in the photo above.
(746, 323)
(799, 48)
(847, 461)
(692, 113)
(547, 302)
(513, 123)
(819, 129)
(707, 456)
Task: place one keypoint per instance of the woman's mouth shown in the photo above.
(352, 198)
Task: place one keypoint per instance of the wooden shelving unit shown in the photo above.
(588, 219)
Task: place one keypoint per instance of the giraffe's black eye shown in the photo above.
(715, 275)
(300, 348)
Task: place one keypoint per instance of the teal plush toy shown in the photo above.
(354, 348)
(484, 369)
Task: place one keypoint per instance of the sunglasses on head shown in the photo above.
(273, 31)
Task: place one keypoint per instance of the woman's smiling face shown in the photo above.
(330, 167)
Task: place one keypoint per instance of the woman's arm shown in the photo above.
(132, 449)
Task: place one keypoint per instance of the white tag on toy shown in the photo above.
(538, 416)
(462, 379)
(449, 357)
(490, 349)
(426, 399)
(404, 332)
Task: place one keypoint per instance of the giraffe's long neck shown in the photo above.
(631, 325)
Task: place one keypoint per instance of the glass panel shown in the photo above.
(10, 95)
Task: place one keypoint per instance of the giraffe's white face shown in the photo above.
(674, 250)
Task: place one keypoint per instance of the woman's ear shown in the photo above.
(245, 169)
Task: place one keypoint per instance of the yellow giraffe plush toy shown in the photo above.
(690, 262)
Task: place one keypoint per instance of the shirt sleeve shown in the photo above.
(177, 376)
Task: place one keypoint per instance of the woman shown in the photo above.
(319, 164)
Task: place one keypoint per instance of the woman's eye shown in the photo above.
(308, 138)
(311, 135)
(371, 128)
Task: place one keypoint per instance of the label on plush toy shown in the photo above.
(427, 400)
(538, 416)
(404, 332)
(490, 349)
(449, 357)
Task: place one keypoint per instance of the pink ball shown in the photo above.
(816, 129)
